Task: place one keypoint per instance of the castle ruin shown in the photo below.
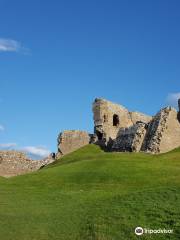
(117, 129)
(13, 163)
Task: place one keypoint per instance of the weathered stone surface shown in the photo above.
(139, 117)
(163, 133)
(130, 139)
(134, 131)
(14, 163)
(109, 118)
(115, 128)
(69, 141)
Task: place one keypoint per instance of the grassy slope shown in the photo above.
(94, 195)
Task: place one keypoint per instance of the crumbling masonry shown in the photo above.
(14, 163)
(117, 129)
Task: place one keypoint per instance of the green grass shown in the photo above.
(93, 195)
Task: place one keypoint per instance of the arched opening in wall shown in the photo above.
(115, 120)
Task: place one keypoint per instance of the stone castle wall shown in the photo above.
(14, 163)
(164, 132)
(69, 141)
(103, 118)
(139, 117)
(136, 131)
(130, 139)
(171, 134)
(105, 115)
(115, 128)
(154, 134)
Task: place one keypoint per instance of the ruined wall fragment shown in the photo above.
(71, 140)
(14, 163)
(163, 132)
(110, 118)
(139, 117)
(130, 139)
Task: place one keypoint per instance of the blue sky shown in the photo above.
(57, 56)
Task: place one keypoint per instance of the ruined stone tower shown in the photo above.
(117, 129)
(112, 120)
(121, 130)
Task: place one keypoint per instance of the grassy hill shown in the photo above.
(93, 195)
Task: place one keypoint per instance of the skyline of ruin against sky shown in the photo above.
(72, 53)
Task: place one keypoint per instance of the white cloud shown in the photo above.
(172, 99)
(32, 151)
(10, 45)
(38, 151)
(2, 128)
(7, 145)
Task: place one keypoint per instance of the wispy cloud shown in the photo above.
(38, 151)
(7, 145)
(2, 128)
(10, 45)
(172, 99)
(33, 152)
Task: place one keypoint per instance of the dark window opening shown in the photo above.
(53, 155)
(99, 135)
(105, 118)
(115, 120)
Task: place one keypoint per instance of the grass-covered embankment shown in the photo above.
(90, 194)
